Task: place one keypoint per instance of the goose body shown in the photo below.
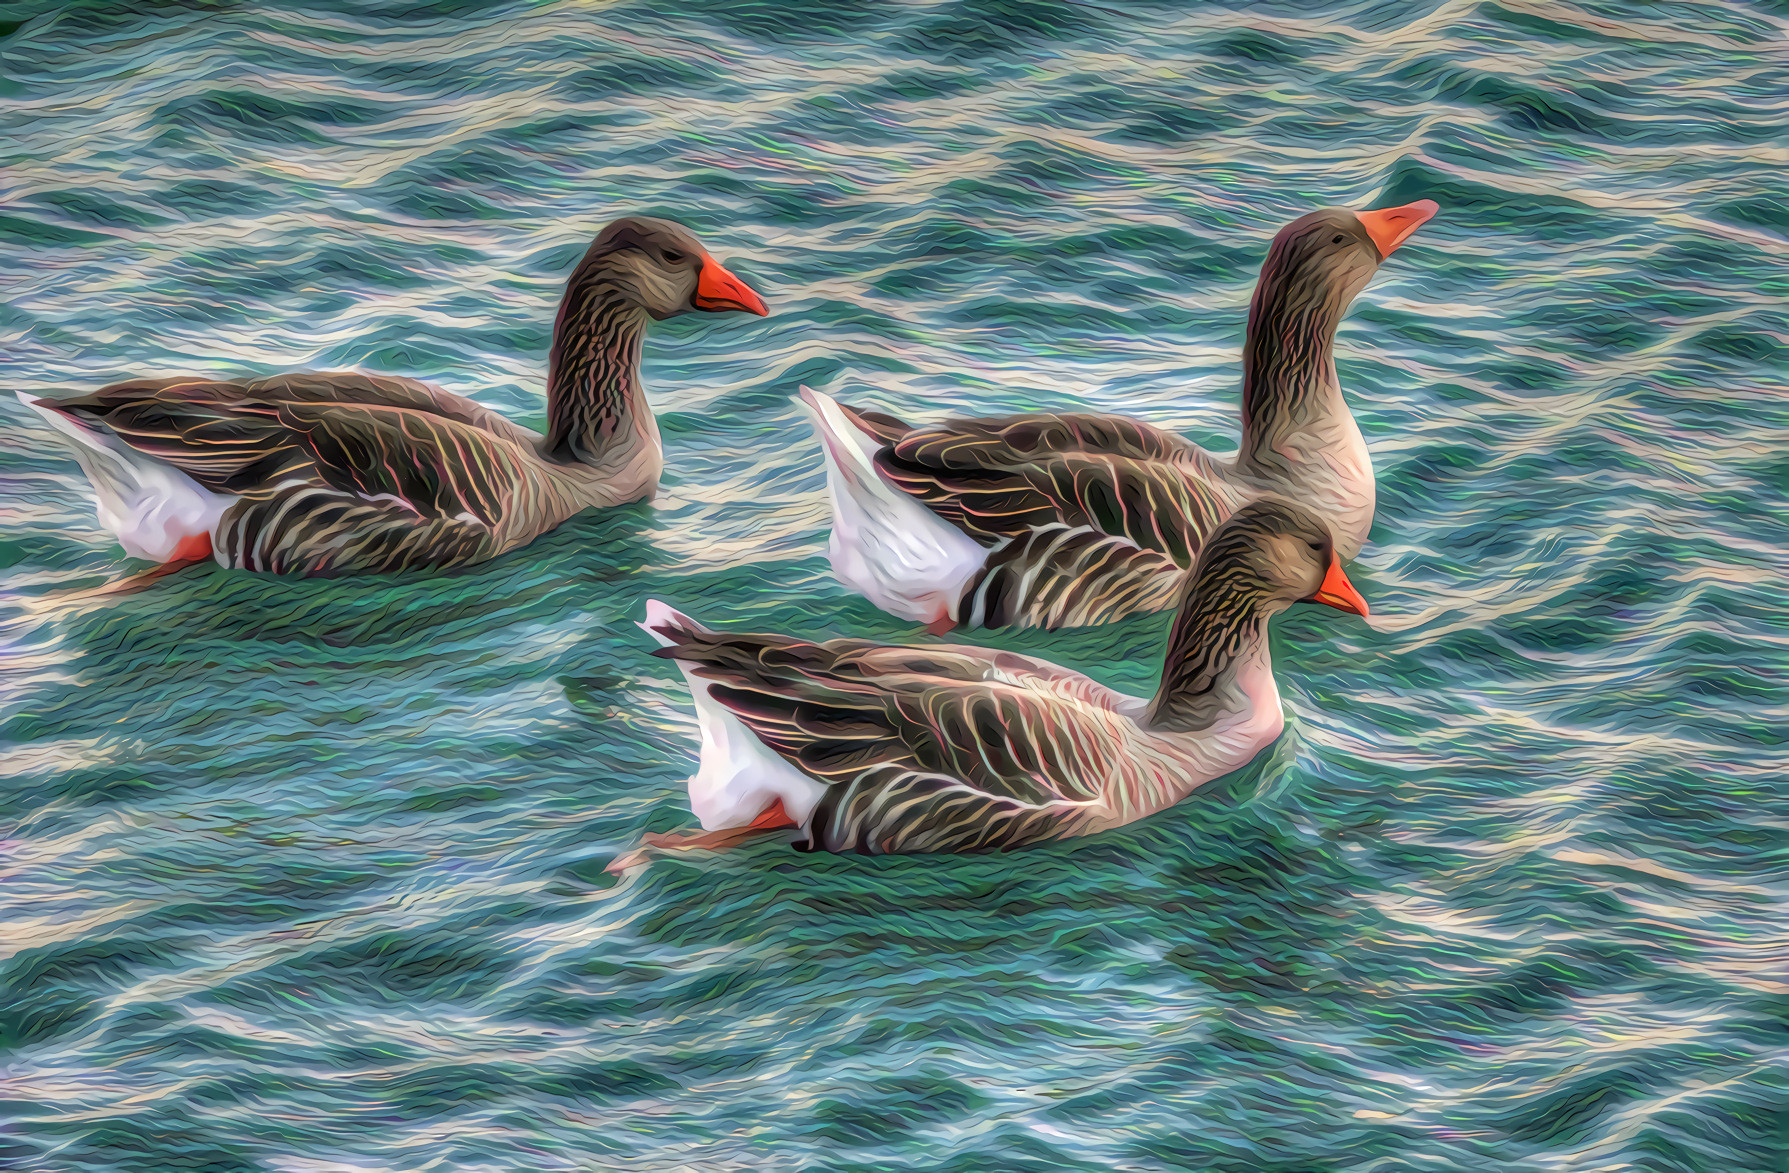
(327, 473)
(1061, 520)
(884, 749)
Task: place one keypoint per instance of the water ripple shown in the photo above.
(310, 877)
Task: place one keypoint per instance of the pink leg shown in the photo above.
(773, 819)
(943, 625)
(190, 552)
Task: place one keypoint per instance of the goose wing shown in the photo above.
(1091, 517)
(344, 387)
(1057, 576)
(923, 749)
(1006, 476)
(413, 444)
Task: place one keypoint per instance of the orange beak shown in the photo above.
(717, 289)
(1338, 592)
(1390, 227)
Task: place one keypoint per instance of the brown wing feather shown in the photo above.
(362, 390)
(998, 478)
(359, 434)
(988, 761)
(1054, 577)
(321, 532)
(1089, 517)
(439, 466)
(208, 430)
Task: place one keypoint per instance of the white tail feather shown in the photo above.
(738, 776)
(886, 546)
(149, 506)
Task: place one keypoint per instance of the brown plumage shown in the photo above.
(881, 749)
(1075, 519)
(329, 473)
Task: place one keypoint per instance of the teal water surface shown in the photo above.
(308, 877)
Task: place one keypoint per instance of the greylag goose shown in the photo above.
(878, 749)
(1062, 520)
(331, 473)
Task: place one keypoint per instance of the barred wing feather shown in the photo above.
(1088, 517)
(1001, 477)
(990, 756)
(231, 438)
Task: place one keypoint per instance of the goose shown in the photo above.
(337, 472)
(882, 749)
(1067, 519)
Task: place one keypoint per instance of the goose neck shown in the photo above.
(595, 403)
(1289, 384)
(1217, 666)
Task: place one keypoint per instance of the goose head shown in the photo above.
(1277, 554)
(664, 269)
(1328, 256)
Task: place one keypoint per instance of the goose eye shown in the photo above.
(675, 257)
(1337, 240)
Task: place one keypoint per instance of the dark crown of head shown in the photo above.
(1238, 537)
(640, 231)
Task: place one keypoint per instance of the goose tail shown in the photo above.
(112, 475)
(739, 778)
(154, 510)
(886, 546)
(668, 625)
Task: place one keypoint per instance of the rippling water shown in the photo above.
(309, 877)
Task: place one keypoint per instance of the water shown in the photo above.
(309, 877)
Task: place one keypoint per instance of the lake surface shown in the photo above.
(307, 877)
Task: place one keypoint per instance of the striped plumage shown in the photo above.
(329, 473)
(1075, 519)
(880, 749)
(1086, 517)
